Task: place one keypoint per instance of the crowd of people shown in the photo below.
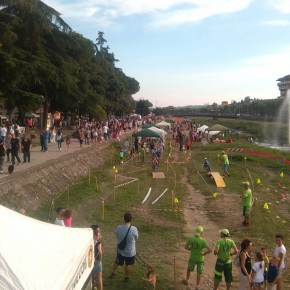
(261, 273)
(254, 272)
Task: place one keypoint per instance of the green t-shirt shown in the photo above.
(121, 154)
(225, 246)
(197, 245)
(247, 200)
(226, 159)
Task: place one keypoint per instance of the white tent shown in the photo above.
(161, 132)
(202, 128)
(36, 255)
(163, 124)
(213, 133)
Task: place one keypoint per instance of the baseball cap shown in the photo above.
(198, 231)
(223, 152)
(246, 182)
(225, 232)
(205, 158)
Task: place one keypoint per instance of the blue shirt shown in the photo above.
(273, 272)
(121, 231)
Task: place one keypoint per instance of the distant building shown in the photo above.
(225, 103)
(284, 85)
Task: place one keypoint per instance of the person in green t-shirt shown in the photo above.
(198, 248)
(247, 202)
(226, 162)
(223, 250)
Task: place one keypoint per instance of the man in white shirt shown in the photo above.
(280, 252)
(105, 132)
(3, 132)
(59, 218)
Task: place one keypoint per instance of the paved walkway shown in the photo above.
(38, 157)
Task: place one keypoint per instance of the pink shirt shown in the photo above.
(68, 221)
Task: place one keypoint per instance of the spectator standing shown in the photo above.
(273, 273)
(245, 264)
(258, 272)
(15, 149)
(280, 252)
(3, 132)
(59, 218)
(67, 217)
(68, 142)
(59, 139)
(128, 254)
(7, 143)
(2, 155)
(52, 135)
(198, 248)
(41, 139)
(224, 249)
(97, 271)
(45, 140)
(266, 260)
(26, 147)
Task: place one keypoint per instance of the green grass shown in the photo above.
(160, 228)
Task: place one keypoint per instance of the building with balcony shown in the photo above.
(284, 85)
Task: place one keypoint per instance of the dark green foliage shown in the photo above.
(41, 56)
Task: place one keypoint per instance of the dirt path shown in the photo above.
(195, 214)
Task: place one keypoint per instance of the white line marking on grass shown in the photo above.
(147, 195)
(160, 196)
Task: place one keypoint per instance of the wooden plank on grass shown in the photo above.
(219, 181)
(158, 175)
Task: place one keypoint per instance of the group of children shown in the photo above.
(265, 272)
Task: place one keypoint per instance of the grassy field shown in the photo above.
(160, 226)
(259, 130)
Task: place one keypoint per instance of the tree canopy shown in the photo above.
(40, 55)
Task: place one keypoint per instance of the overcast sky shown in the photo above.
(190, 52)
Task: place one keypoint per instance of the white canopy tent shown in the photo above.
(163, 124)
(161, 132)
(202, 128)
(37, 255)
(213, 133)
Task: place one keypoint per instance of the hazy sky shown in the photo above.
(188, 52)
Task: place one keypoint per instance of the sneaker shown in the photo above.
(185, 281)
(1, 172)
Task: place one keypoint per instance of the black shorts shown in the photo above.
(121, 259)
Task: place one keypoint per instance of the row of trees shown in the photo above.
(43, 61)
(253, 108)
